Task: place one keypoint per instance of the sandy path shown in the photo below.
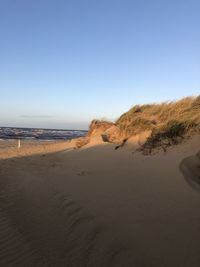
(99, 207)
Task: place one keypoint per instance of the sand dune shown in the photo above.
(100, 207)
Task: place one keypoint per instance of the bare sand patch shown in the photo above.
(98, 207)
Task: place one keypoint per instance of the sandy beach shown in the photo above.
(99, 133)
(9, 148)
(99, 207)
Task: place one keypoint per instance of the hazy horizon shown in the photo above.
(44, 128)
(64, 63)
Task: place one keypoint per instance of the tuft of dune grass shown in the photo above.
(168, 121)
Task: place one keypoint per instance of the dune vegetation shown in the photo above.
(168, 122)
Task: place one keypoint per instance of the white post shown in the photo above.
(19, 144)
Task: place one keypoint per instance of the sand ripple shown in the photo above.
(45, 228)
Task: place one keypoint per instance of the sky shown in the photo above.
(66, 62)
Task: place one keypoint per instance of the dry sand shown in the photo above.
(190, 167)
(99, 207)
(9, 148)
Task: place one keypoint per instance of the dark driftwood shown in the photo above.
(122, 144)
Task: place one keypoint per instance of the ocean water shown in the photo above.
(39, 134)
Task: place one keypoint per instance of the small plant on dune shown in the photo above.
(171, 130)
(171, 133)
(136, 109)
(196, 103)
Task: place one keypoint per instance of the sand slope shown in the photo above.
(190, 167)
(99, 207)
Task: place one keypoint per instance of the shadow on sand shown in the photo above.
(190, 167)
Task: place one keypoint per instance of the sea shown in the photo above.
(39, 134)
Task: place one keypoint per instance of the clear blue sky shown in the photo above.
(65, 62)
